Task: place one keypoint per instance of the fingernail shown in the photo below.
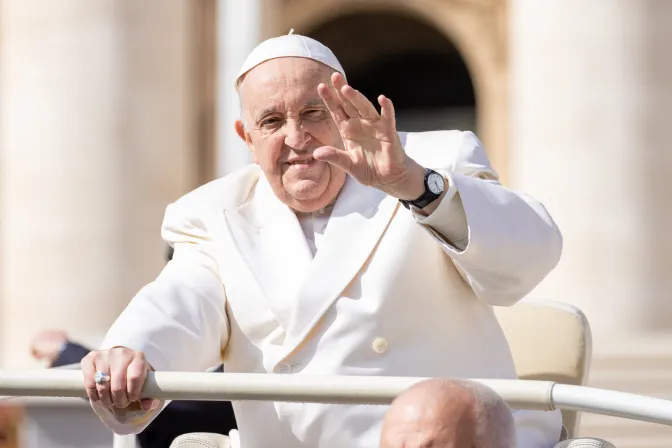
(149, 404)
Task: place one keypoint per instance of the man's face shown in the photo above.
(285, 121)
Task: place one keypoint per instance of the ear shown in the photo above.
(240, 130)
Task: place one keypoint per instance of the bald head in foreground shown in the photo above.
(448, 414)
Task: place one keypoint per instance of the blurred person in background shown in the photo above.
(346, 248)
(10, 423)
(55, 348)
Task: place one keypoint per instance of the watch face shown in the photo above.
(435, 183)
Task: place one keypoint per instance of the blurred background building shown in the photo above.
(111, 109)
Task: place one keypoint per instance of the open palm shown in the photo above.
(372, 153)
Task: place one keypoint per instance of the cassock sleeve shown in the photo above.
(503, 242)
(72, 353)
(179, 320)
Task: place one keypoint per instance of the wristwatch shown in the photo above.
(434, 186)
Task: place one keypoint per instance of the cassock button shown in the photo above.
(379, 346)
(283, 368)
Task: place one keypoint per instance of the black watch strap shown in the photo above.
(427, 197)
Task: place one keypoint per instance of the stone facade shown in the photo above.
(478, 30)
(591, 97)
(98, 136)
(109, 111)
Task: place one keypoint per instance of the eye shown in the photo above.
(270, 122)
(313, 113)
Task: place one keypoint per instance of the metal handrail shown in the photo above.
(519, 394)
(75, 366)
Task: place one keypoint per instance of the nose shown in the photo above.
(296, 136)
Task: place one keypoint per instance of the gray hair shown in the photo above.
(241, 115)
(240, 101)
(495, 427)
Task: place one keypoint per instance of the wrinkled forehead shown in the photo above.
(289, 80)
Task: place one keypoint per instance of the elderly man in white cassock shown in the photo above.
(346, 248)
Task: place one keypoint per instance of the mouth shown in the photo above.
(305, 162)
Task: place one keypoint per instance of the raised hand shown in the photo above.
(372, 153)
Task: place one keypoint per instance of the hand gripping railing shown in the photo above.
(519, 394)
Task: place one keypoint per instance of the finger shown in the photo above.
(119, 362)
(363, 105)
(89, 372)
(387, 111)
(103, 389)
(135, 377)
(334, 156)
(348, 107)
(339, 84)
(332, 103)
(149, 404)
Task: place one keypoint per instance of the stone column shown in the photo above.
(239, 31)
(96, 140)
(591, 132)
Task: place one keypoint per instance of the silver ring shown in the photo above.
(101, 377)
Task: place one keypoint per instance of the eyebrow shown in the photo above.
(313, 103)
(265, 112)
(273, 109)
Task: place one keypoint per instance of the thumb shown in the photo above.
(334, 156)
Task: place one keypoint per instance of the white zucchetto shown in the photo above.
(290, 45)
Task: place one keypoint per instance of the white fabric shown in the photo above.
(201, 440)
(585, 443)
(290, 45)
(314, 225)
(243, 278)
(449, 218)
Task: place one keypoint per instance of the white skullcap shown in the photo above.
(290, 45)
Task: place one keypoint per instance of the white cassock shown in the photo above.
(386, 292)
